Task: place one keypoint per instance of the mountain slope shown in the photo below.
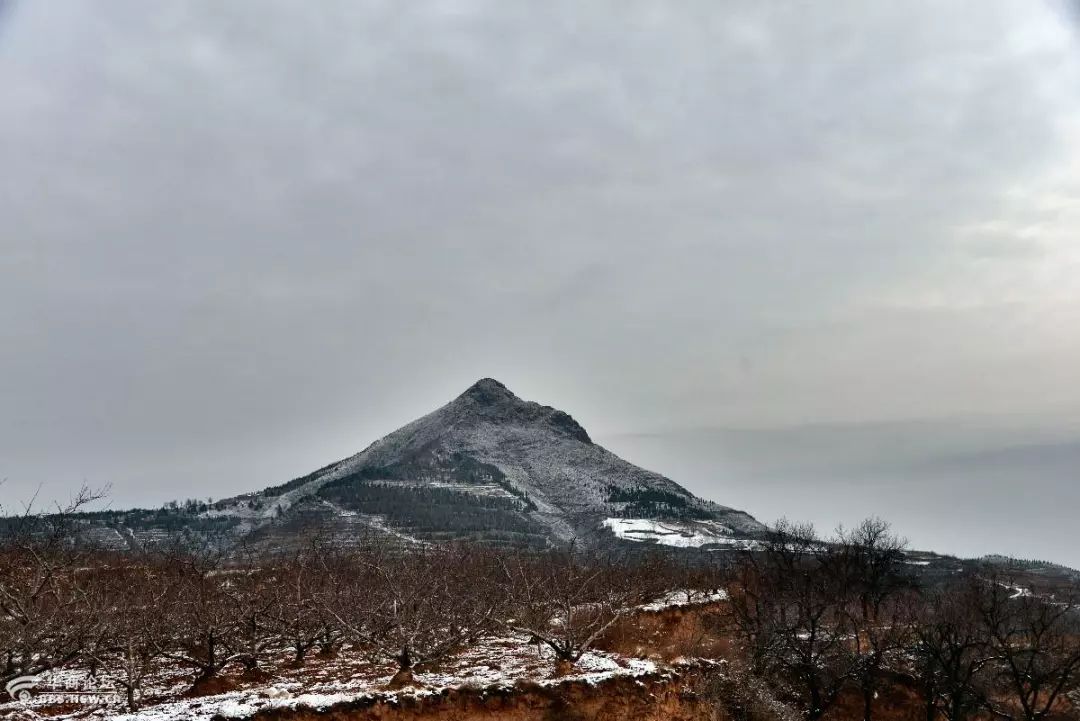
(486, 466)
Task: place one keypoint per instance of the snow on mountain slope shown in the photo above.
(532, 469)
(680, 534)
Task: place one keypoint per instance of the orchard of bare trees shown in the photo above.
(813, 623)
(818, 619)
(212, 612)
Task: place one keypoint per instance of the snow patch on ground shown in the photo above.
(493, 663)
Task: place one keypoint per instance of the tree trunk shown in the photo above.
(816, 711)
(211, 656)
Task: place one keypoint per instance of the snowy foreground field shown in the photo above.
(496, 664)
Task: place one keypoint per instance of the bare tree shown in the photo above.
(567, 599)
(134, 593)
(951, 651)
(355, 586)
(246, 588)
(42, 594)
(204, 620)
(875, 579)
(1036, 647)
(788, 607)
(295, 613)
(417, 607)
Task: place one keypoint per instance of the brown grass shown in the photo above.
(679, 632)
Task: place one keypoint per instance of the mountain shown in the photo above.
(487, 466)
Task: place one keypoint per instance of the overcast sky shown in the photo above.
(815, 261)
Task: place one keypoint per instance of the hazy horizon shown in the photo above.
(815, 265)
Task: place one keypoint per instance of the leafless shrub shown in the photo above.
(743, 696)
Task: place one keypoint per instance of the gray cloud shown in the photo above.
(241, 240)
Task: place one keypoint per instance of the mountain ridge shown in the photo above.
(487, 466)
